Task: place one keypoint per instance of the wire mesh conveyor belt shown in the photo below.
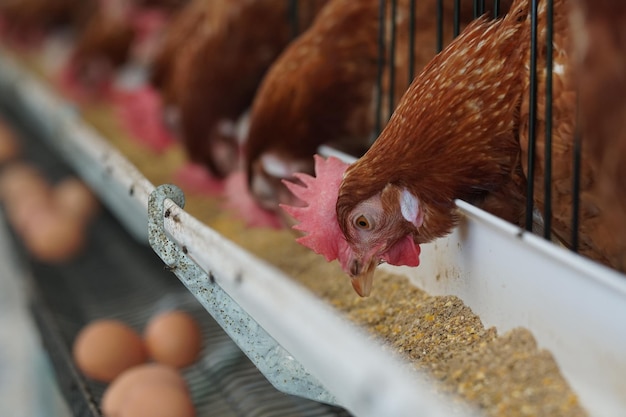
(117, 277)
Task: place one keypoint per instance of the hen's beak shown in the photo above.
(362, 276)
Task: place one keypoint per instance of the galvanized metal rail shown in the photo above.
(278, 365)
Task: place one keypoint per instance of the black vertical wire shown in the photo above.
(439, 25)
(392, 57)
(479, 8)
(547, 179)
(496, 8)
(381, 66)
(532, 117)
(456, 24)
(576, 181)
(294, 17)
(411, 41)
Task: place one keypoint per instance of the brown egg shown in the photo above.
(105, 348)
(156, 400)
(72, 196)
(51, 235)
(23, 210)
(20, 179)
(25, 194)
(9, 144)
(173, 338)
(117, 392)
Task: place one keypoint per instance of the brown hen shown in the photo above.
(119, 32)
(599, 47)
(28, 14)
(596, 237)
(214, 79)
(320, 90)
(336, 105)
(453, 135)
(563, 119)
(27, 21)
(179, 32)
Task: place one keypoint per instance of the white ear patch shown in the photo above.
(410, 208)
(283, 168)
(274, 166)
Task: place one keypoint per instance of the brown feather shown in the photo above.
(599, 40)
(106, 38)
(321, 88)
(337, 58)
(217, 74)
(179, 33)
(26, 15)
(596, 239)
(454, 133)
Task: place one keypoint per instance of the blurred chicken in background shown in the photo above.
(179, 34)
(209, 68)
(119, 33)
(25, 23)
(322, 89)
(595, 73)
(599, 41)
(216, 77)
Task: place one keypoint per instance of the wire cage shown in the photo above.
(479, 8)
(444, 20)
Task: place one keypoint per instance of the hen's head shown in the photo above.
(378, 227)
(375, 230)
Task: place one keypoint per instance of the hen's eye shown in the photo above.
(362, 223)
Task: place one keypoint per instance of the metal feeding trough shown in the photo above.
(303, 347)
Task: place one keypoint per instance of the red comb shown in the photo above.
(318, 220)
(141, 112)
(148, 22)
(196, 179)
(72, 88)
(240, 201)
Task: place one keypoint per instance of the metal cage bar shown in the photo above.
(547, 179)
(532, 117)
(576, 183)
(392, 56)
(294, 16)
(412, 30)
(381, 68)
(439, 25)
(387, 37)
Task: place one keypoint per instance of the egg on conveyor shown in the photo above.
(75, 199)
(173, 338)
(150, 390)
(105, 348)
(9, 143)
